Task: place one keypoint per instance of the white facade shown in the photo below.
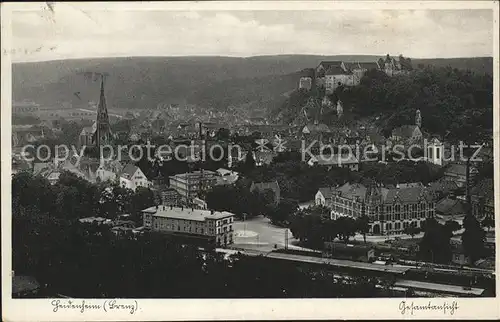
(138, 179)
(435, 152)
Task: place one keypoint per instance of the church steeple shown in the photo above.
(103, 129)
(418, 119)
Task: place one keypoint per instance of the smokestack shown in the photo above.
(171, 207)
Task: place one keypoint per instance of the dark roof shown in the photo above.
(352, 191)
(327, 64)
(450, 207)
(405, 195)
(261, 186)
(129, 170)
(327, 192)
(444, 186)
(335, 70)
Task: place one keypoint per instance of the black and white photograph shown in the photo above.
(224, 151)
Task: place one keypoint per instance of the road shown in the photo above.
(258, 233)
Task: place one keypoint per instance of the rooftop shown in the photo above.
(186, 213)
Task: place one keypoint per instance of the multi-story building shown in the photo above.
(189, 184)
(217, 227)
(25, 108)
(390, 210)
(170, 197)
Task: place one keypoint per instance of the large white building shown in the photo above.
(213, 225)
(389, 210)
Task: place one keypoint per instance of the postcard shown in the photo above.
(250, 160)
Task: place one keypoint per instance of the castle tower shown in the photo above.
(418, 119)
(102, 134)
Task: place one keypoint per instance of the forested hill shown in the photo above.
(145, 82)
(454, 103)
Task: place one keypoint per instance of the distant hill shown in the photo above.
(213, 82)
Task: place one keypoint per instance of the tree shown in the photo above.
(249, 164)
(411, 230)
(346, 228)
(473, 238)
(435, 244)
(282, 213)
(223, 134)
(488, 222)
(362, 226)
(452, 226)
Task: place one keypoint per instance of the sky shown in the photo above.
(68, 32)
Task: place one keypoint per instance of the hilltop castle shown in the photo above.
(332, 74)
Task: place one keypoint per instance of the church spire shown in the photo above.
(103, 129)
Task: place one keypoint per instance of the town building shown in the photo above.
(393, 67)
(443, 188)
(215, 226)
(26, 108)
(323, 196)
(483, 200)
(361, 253)
(389, 210)
(171, 197)
(336, 76)
(458, 172)
(348, 161)
(263, 187)
(306, 80)
(226, 177)
(132, 177)
(86, 137)
(26, 134)
(450, 208)
(407, 134)
(189, 184)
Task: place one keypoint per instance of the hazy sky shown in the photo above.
(70, 33)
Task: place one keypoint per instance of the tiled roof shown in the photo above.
(484, 189)
(443, 186)
(327, 192)
(405, 195)
(327, 64)
(335, 70)
(128, 171)
(352, 191)
(450, 207)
